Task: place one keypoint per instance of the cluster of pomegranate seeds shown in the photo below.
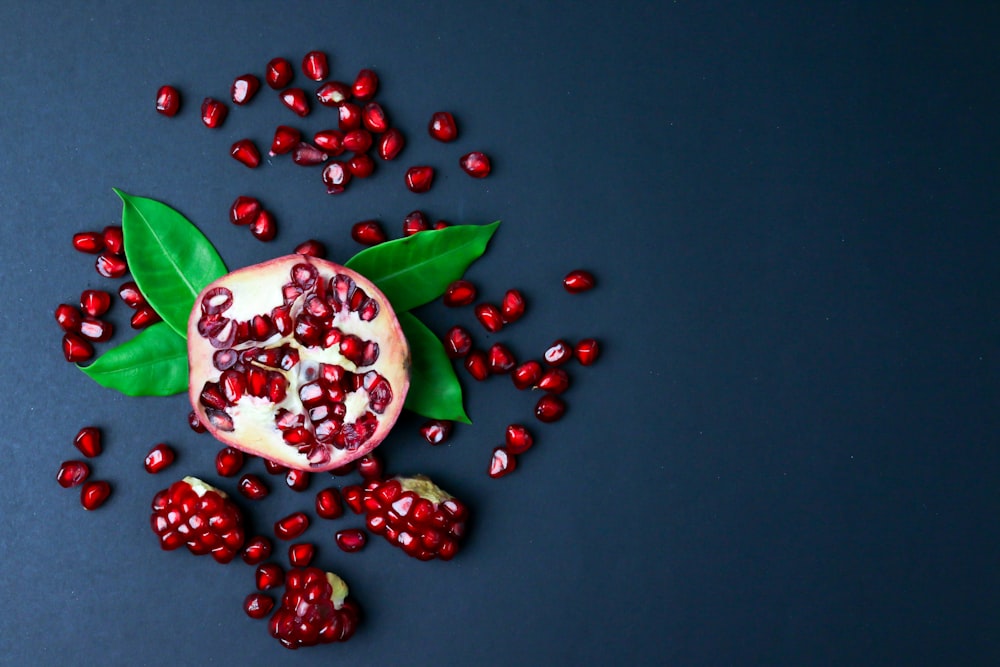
(144, 314)
(249, 212)
(193, 513)
(74, 473)
(314, 610)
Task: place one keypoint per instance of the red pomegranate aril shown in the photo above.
(361, 165)
(475, 164)
(306, 155)
(257, 550)
(518, 439)
(578, 281)
(265, 227)
(457, 342)
(213, 113)
(365, 85)
(72, 473)
(89, 242)
(94, 494)
(442, 127)
(441, 224)
(244, 210)
(285, 139)
(502, 463)
(420, 178)
(336, 177)
(253, 487)
(68, 317)
(168, 101)
(527, 374)
(512, 306)
(358, 141)
(301, 554)
(278, 73)
(95, 330)
(558, 353)
(354, 497)
(130, 294)
(159, 458)
(390, 144)
(330, 141)
(244, 88)
(478, 365)
(587, 351)
(368, 233)
(315, 65)
(229, 461)
(274, 468)
(333, 93)
(351, 540)
(95, 302)
(459, 293)
(291, 526)
(143, 317)
(501, 359)
(311, 248)
(245, 152)
(373, 117)
(555, 380)
(75, 348)
(436, 431)
(114, 240)
(550, 408)
(328, 504)
(195, 423)
(296, 100)
(268, 576)
(416, 221)
(489, 316)
(110, 265)
(370, 467)
(297, 480)
(258, 605)
(349, 116)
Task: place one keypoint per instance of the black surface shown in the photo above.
(788, 454)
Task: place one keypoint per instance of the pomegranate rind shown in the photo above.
(257, 290)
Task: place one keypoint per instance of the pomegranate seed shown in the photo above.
(159, 458)
(278, 73)
(578, 281)
(258, 605)
(168, 101)
(549, 408)
(301, 554)
(111, 266)
(475, 164)
(518, 438)
(361, 165)
(459, 293)
(274, 468)
(96, 330)
(68, 317)
(416, 221)
(257, 550)
(457, 342)
(390, 144)
(88, 242)
(502, 463)
(296, 100)
(442, 127)
(114, 240)
(365, 85)
(436, 431)
(195, 423)
(354, 497)
(245, 152)
(373, 117)
(244, 88)
(291, 526)
(244, 210)
(94, 302)
(333, 93)
(315, 65)
(93, 494)
(285, 139)
(349, 116)
(527, 374)
(130, 294)
(558, 353)
(489, 316)
(143, 317)
(441, 224)
(351, 540)
(368, 232)
(330, 141)
(268, 576)
(555, 380)
(306, 155)
(253, 487)
(370, 467)
(501, 359)
(328, 505)
(358, 141)
(478, 365)
(72, 473)
(512, 307)
(229, 461)
(336, 177)
(311, 248)
(75, 348)
(213, 112)
(297, 480)
(419, 179)
(587, 351)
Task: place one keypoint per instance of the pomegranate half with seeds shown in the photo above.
(298, 360)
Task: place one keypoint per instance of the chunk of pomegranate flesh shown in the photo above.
(298, 360)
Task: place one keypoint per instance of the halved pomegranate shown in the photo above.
(298, 360)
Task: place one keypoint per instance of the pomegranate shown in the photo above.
(329, 141)
(95, 302)
(442, 127)
(333, 93)
(213, 113)
(301, 554)
(297, 480)
(245, 151)
(512, 307)
(228, 461)
(258, 605)
(291, 526)
(587, 351)
(72, 473)
(268, 576)
(75, 348)
(88, 441)
(550, 408)
(489, 316)
(558, 353)
(351, 540)
(110, 265)
(478, 365)
(311, 247)
(370, 467)
(501, 359)
(527, 374)
(365, 85)
(244, 88)
(555, 380)
(459, 293)
(502, 463)
(296, 100)
(420, 178)
(368, 232)
(436, 431)
(349, 116)
(475, 164)
(253, 487)
(336, 177)
(314, 610)
(88, 242)
(298, 360)
(373, 117)
(159, 458)
(68, 317)
(130, 294)
(518, 439)
(285, 139)
(578, 280)
(414, 222)
(315, 65)
(361, 165)
(390, 144)
(94, 493)
(305, 154)
(328, 505)
(257, 550)
(457, 342)
(278, 73)
(193, 513)
(168, 101)
(143, 317)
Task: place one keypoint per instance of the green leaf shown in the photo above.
(171, 261)
(434, 389)
(417, 269)
(154, 363)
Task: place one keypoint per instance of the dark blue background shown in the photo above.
(788, 454)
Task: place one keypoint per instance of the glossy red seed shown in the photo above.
(130, 294)
(457, 342)
(311, 248)
(459, 293)
(291, 526)
(213, 112)
(558, 353)
(332, 93)
(301, 554)
(244, 88)
(527, 374)
(501, 359)
(414, 222)
(95, 330)
(436, 431)
(370, 467)
(554, 380)
(278, 73)
(354, 498)
(442, 126)
(253, 487)
(168, 101)
(336, 177)
(368, 232)
(587, 351)
(257, 550)
(195, 423)
(315, 65)
(296, 100)
(550, 408)
(265, 227)
(94, 494)
(229, 461)
(110, 265)
(518, 439)
(475, 164)
(68, 317)
(390, 144)
(512, 306)
(159, 458)
(489, 316)
(351, 540)
(88, 440)
(88, 242)
(478, 365)
(143, 317)
(245, 152)
(330, 142)
(75, 348)
(419, 178)
(285, 139)
(365, 85)
(297, 480)
(361, 165)
(305, 154)
(258, 605)
(72, 473)
(95, 302)
(373, 117)
(268, 576)
(578, 281)
(273, 468)
(244, 210)
(502, 463)
(349, 116)
(114, 240)
(441, 224)
(328, 504)
(358, 141)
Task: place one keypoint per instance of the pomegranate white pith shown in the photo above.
(298, 360)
